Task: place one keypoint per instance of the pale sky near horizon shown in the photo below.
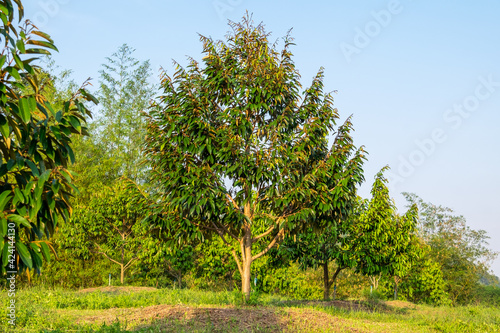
(421, 78)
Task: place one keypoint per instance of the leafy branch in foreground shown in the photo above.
(35, 145)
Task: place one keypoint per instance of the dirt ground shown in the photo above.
(172, 318)
(291, 316)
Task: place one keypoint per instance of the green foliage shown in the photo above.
(215, 268)
(386, 243)
(70, 272)
(113, 148)
(333, 243)
(488, 295)
(158, 261)
(110, 225)
(57, 310)
(35, 145)
(461, 252)
(125, 92)
(293, 282)
(425, 284)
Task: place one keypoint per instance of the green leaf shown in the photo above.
(19, 195)
(43, 44)
(45, 251)
(59, 116)
(5, 256)
(24, 254)
(6, 11)
(33, 168)
(75, 123)
(24, 110)
(43, 35)
(19, 220)
(4, 198)
(4, 126)
(20, 46)
(37, 51)
(3, 228)
(13, 72)
(55, 186)
(18, 61)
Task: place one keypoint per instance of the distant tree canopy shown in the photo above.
(235, 146)
(461, 252)
(35, 145)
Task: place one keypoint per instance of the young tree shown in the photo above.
(110, 225)
(235, 146)
(35, 145)
(332, 244)
(386, 242)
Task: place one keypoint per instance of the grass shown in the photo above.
(117, 310)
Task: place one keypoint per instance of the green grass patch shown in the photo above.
(184, 310)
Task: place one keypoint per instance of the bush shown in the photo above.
(488, 295)
(294, 283)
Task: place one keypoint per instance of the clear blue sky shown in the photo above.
(422, 78)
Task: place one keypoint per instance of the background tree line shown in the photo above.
(234, 177)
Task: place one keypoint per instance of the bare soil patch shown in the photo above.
(175, 318)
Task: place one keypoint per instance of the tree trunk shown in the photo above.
(374, 280)
(122, 275)
(246, 256)
(396, 282)
(247, 264)
(334, 281)
(326, 283)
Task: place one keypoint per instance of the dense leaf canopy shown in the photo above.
(35, 145)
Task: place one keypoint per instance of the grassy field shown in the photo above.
(133, 309)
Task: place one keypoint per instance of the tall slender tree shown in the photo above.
(125, 92)
(386, 242)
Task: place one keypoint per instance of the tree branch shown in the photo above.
(279, 235)
(335, 275)
(116, 262)
(267, 232)
(235, 256)
(130, 263)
